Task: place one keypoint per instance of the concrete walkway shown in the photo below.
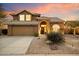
(14, 45)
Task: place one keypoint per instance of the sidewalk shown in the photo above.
(14, 45)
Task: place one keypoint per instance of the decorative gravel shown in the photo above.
(39, 47)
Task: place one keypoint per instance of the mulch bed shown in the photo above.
(39, 47)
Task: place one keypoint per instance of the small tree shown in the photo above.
(73, 25)
(55, 39)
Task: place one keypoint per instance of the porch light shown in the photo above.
(43, 25)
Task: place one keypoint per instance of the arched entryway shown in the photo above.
(43, 27)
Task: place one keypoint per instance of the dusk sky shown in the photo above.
(61, 10)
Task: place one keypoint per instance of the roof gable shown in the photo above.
(25, 11)
(19, 12)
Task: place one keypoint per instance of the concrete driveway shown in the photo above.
(14, 45)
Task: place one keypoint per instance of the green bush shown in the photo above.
(4, 31)
(36, 34)
(55, 37)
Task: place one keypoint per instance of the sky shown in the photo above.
(65, 11)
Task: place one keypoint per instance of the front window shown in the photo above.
(55, 28)
(21, 17)
(28, 17)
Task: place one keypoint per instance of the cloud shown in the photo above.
(68, 11)
(8, 12)
(9, 17)
(48, 7)
(55, 8)
(43, 8)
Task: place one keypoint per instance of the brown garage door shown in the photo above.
(23, 29)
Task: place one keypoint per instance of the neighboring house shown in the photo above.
(27, 23)
(71, 27)
(3, 27)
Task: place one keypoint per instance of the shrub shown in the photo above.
(36, 34)
(55, 37)
(4, 31)
(77, 33)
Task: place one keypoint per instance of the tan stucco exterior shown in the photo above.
(29, 28)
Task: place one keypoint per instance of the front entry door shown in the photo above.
(43, 29)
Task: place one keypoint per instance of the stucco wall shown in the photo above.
(22, 29)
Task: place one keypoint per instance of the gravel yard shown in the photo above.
(39, 47)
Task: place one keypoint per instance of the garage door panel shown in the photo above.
(23, 30)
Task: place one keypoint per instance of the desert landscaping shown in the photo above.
(70, 47)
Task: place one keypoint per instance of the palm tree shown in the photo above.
(73, 25)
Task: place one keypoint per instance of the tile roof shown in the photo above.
(56, 19)
(51, 19)
(21, 23)
(19, 11)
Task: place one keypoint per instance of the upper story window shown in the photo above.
(28, 17)
(21, 17)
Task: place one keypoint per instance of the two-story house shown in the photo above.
(27, 23)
